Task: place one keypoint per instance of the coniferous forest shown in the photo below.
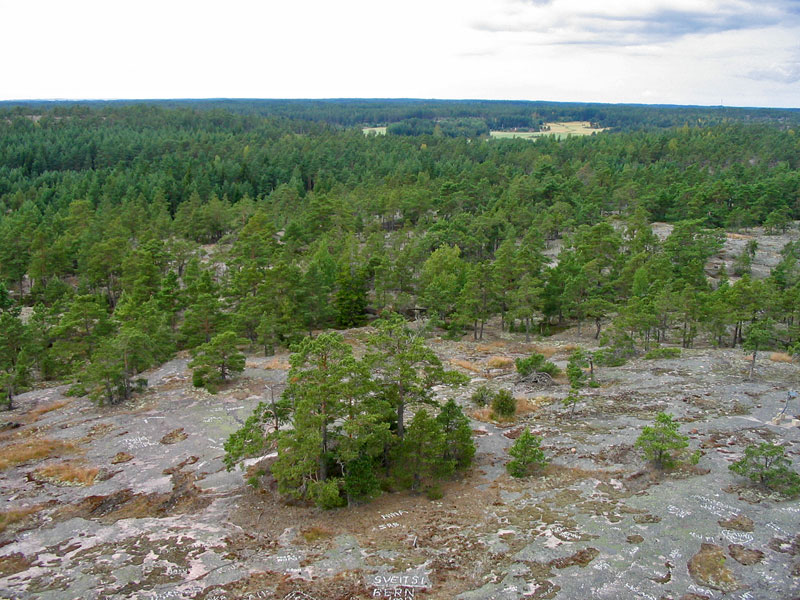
(130, 232)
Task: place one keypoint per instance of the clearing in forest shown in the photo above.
(560, 130)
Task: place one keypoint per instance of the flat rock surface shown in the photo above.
(163, 518)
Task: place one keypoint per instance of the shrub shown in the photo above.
(527, 453)
(76, 390)
(767, 464)
(503, 405)
(660, 440)
(535, 363)
(481, 396)
(619, 349)
(657, 353)
(326, 494)
(434, 492)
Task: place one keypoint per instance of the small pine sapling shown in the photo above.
(767, 465)
(577, 378)
(528, 455)
(659, 441)
(481, 396)
(504, 405)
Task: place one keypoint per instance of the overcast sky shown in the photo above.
(732, 52)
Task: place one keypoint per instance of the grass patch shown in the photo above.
(500, 362)
(465, 364)
(526, 406)
(313, 534)
(67, 473)
(491, 346)
(546, 351)
(35, 449)
(277, 364)
(781, 357)
(16, 515)
(35, 414)
(482, 414)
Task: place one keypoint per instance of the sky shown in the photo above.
(706, 52)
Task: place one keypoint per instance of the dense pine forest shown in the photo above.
(130, 232)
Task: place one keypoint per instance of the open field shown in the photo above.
(560, 130)
(375, 130)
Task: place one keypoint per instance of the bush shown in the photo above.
(326, 494)
(659, 441)
(503, 405)
(619, 349)
(434, 492)
(535, 363)
(481, 396)
(528, 455)
(767, 464)
(657, 353)
(76, 390)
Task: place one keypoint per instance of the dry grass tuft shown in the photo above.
(15, 515)
(782, 357)
(465, 364)
(33, 415)
(482, 414)
(546, 351)
(312, 534)
(486, 415)
(738, 236)
(32, 449)
(500, 362)
(529, 405)
(570, 348)
(491, 346)
(278, 364)
(69, 473)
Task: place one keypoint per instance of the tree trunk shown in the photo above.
(598, 323)
(753, 363)
(400, 429)
(323, 467)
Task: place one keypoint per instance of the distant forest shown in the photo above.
(132, 230)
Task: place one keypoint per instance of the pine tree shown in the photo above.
(215, 362)
(659, 441)
(324, 378)
(527, 453)
(403, 367)
(422, 455)
(459, 447)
